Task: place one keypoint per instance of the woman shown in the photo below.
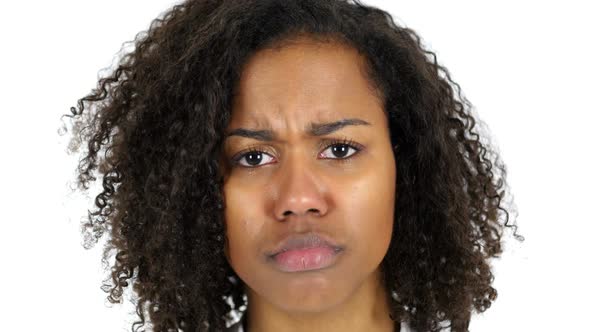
(292, 165)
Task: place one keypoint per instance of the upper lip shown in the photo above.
(303, 241)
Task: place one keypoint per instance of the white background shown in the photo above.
(523, 64)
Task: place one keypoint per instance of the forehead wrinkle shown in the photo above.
(312, 129)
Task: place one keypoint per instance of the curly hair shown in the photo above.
(158, 119)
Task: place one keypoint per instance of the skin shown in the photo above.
(299, 187)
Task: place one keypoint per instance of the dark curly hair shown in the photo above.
(158, 119)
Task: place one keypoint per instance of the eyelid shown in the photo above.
(250, 149)
(322, 145)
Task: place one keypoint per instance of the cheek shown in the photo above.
(374, 224)
(242, 225)
(371, 207)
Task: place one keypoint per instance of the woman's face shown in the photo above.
(299, 181)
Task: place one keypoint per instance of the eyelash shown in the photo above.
(325, 144)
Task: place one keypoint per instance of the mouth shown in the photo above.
(308, 259)
(304, 252)
(303, 241)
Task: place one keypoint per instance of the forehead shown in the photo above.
(303, 81)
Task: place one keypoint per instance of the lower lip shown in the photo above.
(305, 259)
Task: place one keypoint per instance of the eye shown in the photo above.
(341, 149)
(252, 158)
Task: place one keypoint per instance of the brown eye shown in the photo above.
(252, 158)
(340, 150)
(255, 158)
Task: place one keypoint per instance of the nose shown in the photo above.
(299, 191)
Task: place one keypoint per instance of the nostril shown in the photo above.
(313, 210)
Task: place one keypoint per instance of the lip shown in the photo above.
(304, 241)
(298, 260)
(304, 252)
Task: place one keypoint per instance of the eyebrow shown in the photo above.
(312, 129)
